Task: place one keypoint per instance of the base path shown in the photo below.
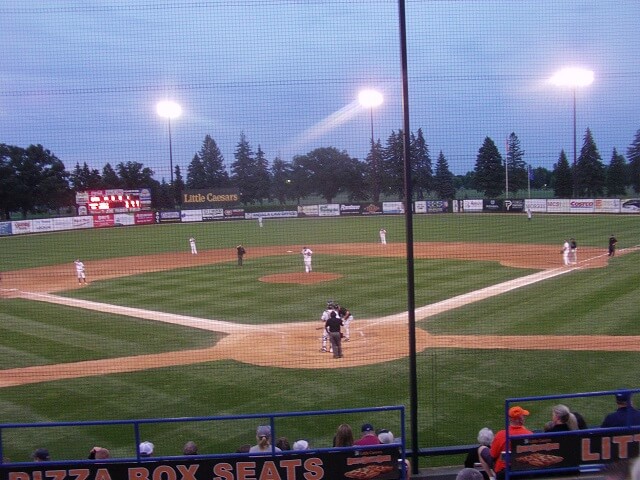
(297, 345)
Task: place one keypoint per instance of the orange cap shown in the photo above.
(515, 412)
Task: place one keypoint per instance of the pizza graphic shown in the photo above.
(368, 472)
(540, 460)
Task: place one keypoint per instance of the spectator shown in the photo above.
(244, 448)
(368, 437)
(469, 474)
(618, 470)
(625, 415)
(41, 455)
(517, 417)
(562, 420)
(385, 437)
(635, 469)
(146, 449)
(263, 435)
(190, 448)
(301, 445)
(481, 455)
(344, 436)
(283, 443)
(99, 453)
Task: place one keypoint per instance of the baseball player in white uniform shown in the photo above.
(192, 243)
(383, 236)
(306, 256)
(566, 252)
(82, 278)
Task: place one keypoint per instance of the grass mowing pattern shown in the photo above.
(370, 287)
(33, 335)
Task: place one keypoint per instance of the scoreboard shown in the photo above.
(96, 202)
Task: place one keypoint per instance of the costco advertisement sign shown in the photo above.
(582, 206)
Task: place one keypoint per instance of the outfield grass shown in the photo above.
(460, 391)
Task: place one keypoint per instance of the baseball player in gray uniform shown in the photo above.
(346, 317)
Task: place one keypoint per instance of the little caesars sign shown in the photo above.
(208, 198)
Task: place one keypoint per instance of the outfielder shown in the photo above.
(383, 236)
(192, 243)
(306, 256)
(82, 278)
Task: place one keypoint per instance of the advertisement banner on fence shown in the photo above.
(308, 210)
(276, 214)
(21, 226)
(492, 205)
(209, 214)
(124, 219)
(62, 223)
(372, 209)
(5, 228)
(350, 209)
(472, 205)
(393, 207)
(42, 225)
(234, 214)
(82, 222)
(607, 205)
(191, 215)
(584, 205)
(536, 204)
(514, 205)
(144, 218)
(168, 217)
(334, 465)
(106, 220)
(630, 205)
(558, 451)
(329, 210)
(558, 206)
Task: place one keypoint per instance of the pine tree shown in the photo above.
(374, 171)
(617, 176)
(243, 171)
(178, 185)
(196, 175)
(516, 166)
(421, 162)
(590, 172)
(443, 179)
(563, 185)
(393, 165)
(489, 171)
(110, 178)
(212, 160)
(262, 177)
(633, 155)
(281, 173)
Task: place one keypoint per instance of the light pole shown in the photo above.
(371, 99)
(168, 109)
(573, 77)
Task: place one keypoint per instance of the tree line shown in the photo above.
(34, 179)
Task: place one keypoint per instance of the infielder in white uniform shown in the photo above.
(383, 236)
(566, 251)
(82, 278)
(192, 243)
(306, 256)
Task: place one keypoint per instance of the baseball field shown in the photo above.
(159, 332)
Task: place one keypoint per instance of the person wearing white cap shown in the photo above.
(146, 449)
(301, 445)
(263, 435)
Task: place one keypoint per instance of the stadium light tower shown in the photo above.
(573, 78)
(168, 109)
(371, 99)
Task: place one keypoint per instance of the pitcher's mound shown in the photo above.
(300, 278)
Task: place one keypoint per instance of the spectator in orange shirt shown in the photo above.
(517, 417)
